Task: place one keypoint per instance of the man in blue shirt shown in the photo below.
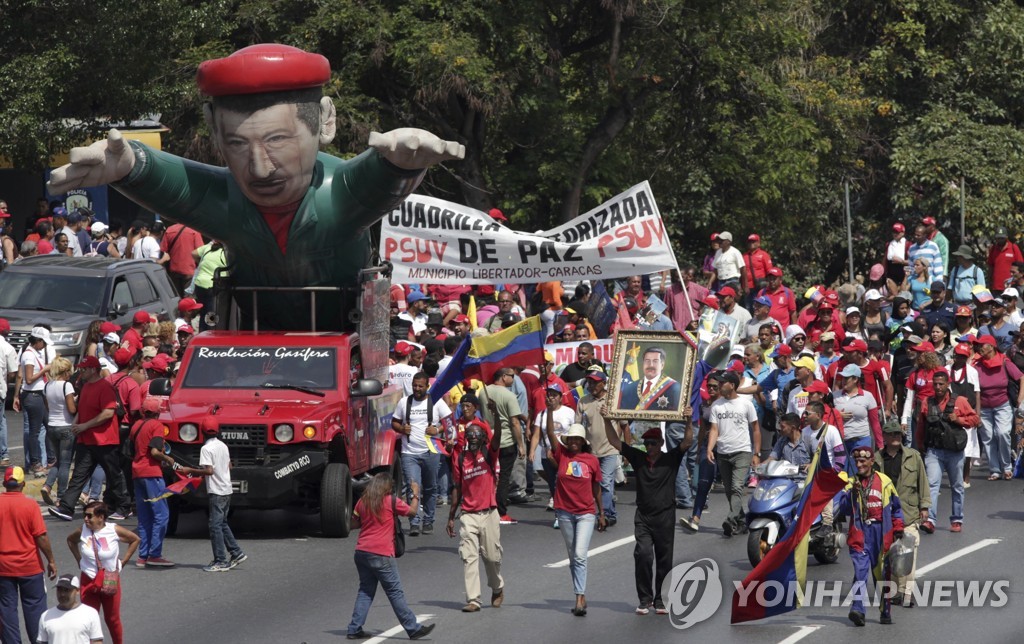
(793, 446)
(776, 380)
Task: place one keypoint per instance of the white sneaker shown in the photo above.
(551, 504)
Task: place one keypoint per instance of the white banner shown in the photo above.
(438, 242)
(564, 353)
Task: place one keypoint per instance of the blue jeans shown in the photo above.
(221, 537)
(608, 466)
(707, 471)
(937, 461)
(375, 569)
(94, 489)
(34, 406)
(576, 531)
(444, 477)
(33, 605)
(3, 431)
(994, 434)
(421, 468)
(153, 516)
(687, 473)
(63, 443)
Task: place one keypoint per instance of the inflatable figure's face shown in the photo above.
(270, 152)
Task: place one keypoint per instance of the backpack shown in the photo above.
(784, 395)
(128, 446)
(93, 249)
(939, 431)
(962, 294)
(120, 411)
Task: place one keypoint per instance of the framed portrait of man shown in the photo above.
(652, 375)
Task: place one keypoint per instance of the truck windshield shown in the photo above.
(39, 291)
(234, 367)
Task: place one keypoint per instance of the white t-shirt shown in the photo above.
(38, 361)
(215, 453)
(76, 248)
(8, 364)
(80, 625)
(416, 443)
(419, 321)
(107, 545)
(728, 263)
(146, 248)
(833, 443)
(742, 317)
(754, 327)
(562, 418)
(733, 418)
(401, 374)
(56, 401)
(896, 249)
(972, 377)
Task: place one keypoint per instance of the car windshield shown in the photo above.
(40, 291)
(235, 367)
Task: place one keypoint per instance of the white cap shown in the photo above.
(852, 309)
(42, 333)
(112, 338)
(1010, 292)
(872, 295)
(726, 236)
(98, 228)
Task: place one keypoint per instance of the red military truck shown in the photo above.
(305, 414)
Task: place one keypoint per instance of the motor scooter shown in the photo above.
(772, 509)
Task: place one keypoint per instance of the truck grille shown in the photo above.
(246, 443)
(18, 339)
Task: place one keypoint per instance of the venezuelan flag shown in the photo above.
(183, 485)
(521, 345)
(786, 562)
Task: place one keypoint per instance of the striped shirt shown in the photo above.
(928, 250)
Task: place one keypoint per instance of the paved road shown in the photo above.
(298, 587)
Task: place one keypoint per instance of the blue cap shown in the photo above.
(554, 387)
(74, 217)
(597, 375)
(763, 301)
(60, 211)
(850, 370)
(415, 296)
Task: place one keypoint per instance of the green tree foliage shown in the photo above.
(746, 116)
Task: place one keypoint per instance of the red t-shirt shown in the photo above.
(783, 304)
(758, 264)
(538, 399)
(20, 523)
(574, 492)
(279, 219)
(477, 474)
(920, 382)
(128, 389)
(179, 241)
(377, 536)
(147, 433)
(95, 397)
(44, 247)
(132, 340)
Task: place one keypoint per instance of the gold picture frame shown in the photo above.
(673, 357)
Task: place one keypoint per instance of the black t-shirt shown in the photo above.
(655, 482)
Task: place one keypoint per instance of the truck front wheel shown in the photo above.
(335, 500)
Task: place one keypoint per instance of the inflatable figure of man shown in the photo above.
(289, 215)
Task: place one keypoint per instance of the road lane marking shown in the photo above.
(984, 543)
(596, 551)
(800, 634)
(386, 635)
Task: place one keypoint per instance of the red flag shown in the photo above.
(183, 485)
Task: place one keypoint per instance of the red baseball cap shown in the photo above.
(986, 339)
(782, 350)
(109, 327)
(816, 387)
(151, 404)
(142, 318)
(89, 362)
(832, 298)
(497, 214)
(711, 301)
(963, 349)
(737, 366)
(460, 318)
(775, 271)
(122, 357)
(209, 425)
(5, 326)
(188, 304)
(856, 345)
(262, 68)
(898, 227)
(964, 312)
(727, 291)
(754, 237)
(403, 348)
(485, 289)
(186, 328)
(714, 236)
(925, 346)
(928, 221)
(159, 363)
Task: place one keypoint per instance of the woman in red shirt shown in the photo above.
(375, 516)
(577, 502)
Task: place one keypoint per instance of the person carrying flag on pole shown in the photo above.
(148, 480)
(475, 483)
(871, 501)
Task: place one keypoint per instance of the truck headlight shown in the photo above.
(283, 433)
(309, 431)
(188, 432)
(70, 339)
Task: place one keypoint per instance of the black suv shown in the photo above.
(68, 293)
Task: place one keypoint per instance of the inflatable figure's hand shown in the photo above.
(414, 149)
(101, 163)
